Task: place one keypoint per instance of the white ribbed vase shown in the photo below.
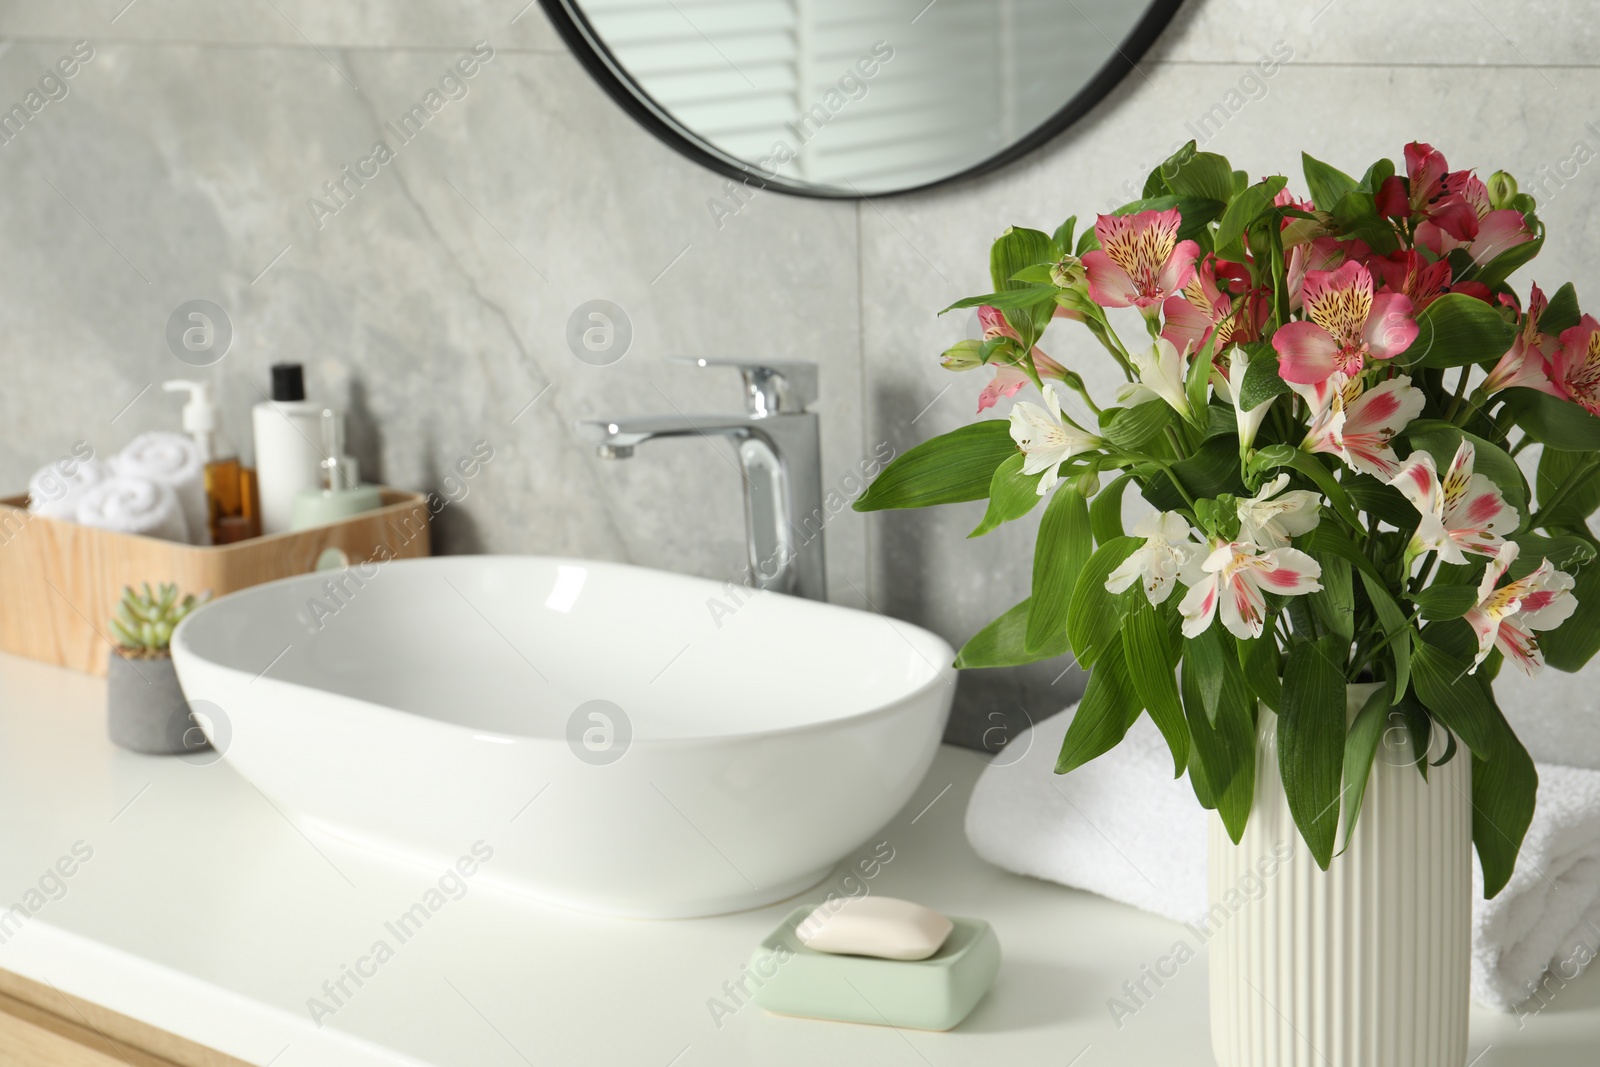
(1365, 964)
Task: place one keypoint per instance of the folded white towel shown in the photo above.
(54, 490)
(173, 460)
(1544, 927)
(134, 506)
(1123, 827)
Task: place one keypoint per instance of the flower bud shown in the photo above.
(1502, 189)
(1089, 482)
(1068, 272)
(963, 355)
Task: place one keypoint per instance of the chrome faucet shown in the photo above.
(780, 459)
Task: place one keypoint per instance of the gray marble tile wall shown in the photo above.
(189, 153)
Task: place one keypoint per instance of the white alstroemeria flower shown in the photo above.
(1167, 552)
(1269, 520)
(1505, 618)
(1461, 512)
(1046, 441)
(1249, 421)
(1231, 579)
(1161, 370)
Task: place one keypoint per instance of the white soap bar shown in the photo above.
(874, 926)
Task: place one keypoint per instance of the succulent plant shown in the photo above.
(144, 621)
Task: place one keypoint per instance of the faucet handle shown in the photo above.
(771, 387)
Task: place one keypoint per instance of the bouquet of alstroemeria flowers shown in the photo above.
(1325, 413)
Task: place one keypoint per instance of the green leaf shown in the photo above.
(1223, 753)
(1246, 208)
(1445, 601)
(1327, 539)
(1377, 174)
(1151, 658)
(1212, 470)
(1458, 699)
(1018, 247)
(1335, 602)
(1105, 514)
(1356, 214)
(1038, 275)
(1440, 440)
(1566, 552)
(1572, 644)
(1561, 312)
(1259, 662)
(1063, 549)
(1095, 614)
(1380, 500)
(1021, 295)
(947, 469)
(1211, 661)
(1012, 494)
(1262, 381)
(1003, 643)
(1327, 185)
(1574, 509)
(1553, 421)
(1109, 706)
(1130, 428)
(1063, 235)
(1360, 746)
(1156, 184)
(1505, 786)
(1456, 330)
(1311, 743)
(1204, 176)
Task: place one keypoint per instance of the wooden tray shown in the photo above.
(60, 582)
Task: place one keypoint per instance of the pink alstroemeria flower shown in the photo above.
(1496, 230)
(1230, 580)
(1320, 254)
(1357, 426)
(1217, 300)
(1431, 193)
(1345, 323)
(1575, 364)
(1009, 377)
(1505, 618)
(1140, 261)
(1461, 512)
(1525, 363)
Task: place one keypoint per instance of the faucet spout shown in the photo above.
(780, 463)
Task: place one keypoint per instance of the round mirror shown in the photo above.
(853, 98)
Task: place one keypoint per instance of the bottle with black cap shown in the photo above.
(287, 428)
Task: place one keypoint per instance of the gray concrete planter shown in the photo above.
(146, 710)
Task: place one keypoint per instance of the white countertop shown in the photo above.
(204, 912)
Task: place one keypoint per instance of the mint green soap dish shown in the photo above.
(931, 994)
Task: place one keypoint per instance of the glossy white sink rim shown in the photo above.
(422, 705)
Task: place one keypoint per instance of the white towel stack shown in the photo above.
(54, 490)
(135, 506)
(174, 461)
(1123, 827)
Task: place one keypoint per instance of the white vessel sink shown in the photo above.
(421, 706)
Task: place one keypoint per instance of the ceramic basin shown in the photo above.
(626, 741)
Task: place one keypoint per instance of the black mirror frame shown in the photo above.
(596, 58)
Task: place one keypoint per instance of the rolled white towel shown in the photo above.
(55, 489)
(1120, 825)
(173, 460)
(134, 506)
(1123, 827)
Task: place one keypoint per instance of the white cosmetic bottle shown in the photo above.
(287, 429)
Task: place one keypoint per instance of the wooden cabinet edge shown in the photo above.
(42, 1027)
